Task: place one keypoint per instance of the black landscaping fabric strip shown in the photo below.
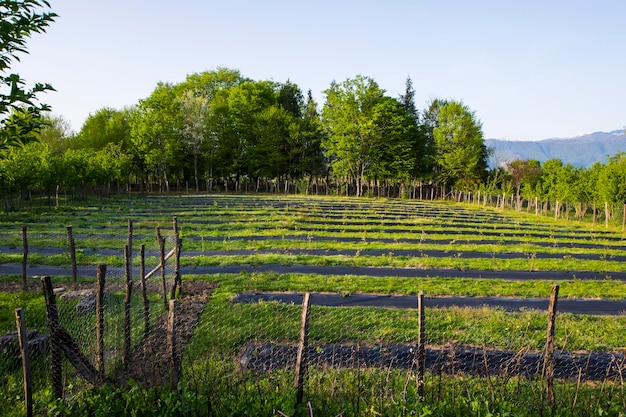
(590, 307)
(454, 359)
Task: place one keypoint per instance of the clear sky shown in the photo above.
(530, 69)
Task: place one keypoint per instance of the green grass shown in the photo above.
(214, 384)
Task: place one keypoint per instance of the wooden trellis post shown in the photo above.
(72, 246)
(24, 258)
(549, 360)
(56, 358)
(144, 291)
(421, 349)
(301, 360)
(161, 241)
(127, 300)
(171, 342)
(177, 249)
(28, 385)
(129, 242)
(100, 281)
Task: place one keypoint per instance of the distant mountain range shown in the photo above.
(583, 150)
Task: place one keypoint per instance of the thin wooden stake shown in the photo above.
(161, 241)
(28, 384)
(127, 299)
(72, 246)
(24, 258)
(144, 291)
(100, 281)
(421, 349)
(177, 248)
(129, 242)
(171, 342)
(55, 344)
(303, 343)
(549, 360)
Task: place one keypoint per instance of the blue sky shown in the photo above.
(529, 69)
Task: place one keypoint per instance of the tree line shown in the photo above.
(220, 131)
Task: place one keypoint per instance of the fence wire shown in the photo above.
(133, 345)
(362, 356)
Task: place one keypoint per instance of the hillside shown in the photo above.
(582, 150)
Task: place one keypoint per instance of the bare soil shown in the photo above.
(150, 362)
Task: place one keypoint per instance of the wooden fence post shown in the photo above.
(303, 343)
(72, 246)
(161, 241)
(549, 360)
(129, 242)
(100, 281)
(177, 248)
(127, 300)
(55, 344)
(421, 349)
(144, 291)
(28, 385)
(171, 342)
(24, 258)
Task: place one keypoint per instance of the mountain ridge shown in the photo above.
(583, 150)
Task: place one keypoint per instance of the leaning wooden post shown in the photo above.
(421, 349)
(144, 291)
(100, 281)
(171, 342)
(24, 258)
(55, 344)
(127, 299)
(28, 384)
(303, 343)
(72, 246)
(161, 241)
(549, 360)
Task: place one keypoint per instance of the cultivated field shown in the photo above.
(486, 276)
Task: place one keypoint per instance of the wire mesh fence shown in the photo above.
(94, 324)
(115, 325)
(366, 358)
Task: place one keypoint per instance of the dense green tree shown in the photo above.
(237, 111)
(392, 149)
(347, 116)
(56, 132)
(155, 148)
(408, 100)
(104, 127)
(426, 165)
(290, 98)
(194, 115)
(312, 136)
(460, 151)
(19, 20)
(523, 173)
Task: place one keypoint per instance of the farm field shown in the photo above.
(486, 274)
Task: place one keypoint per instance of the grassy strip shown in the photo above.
(231, 284)
(456, 261)
(230, 325)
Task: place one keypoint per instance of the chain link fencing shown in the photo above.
(95, 324)
(365, 358)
